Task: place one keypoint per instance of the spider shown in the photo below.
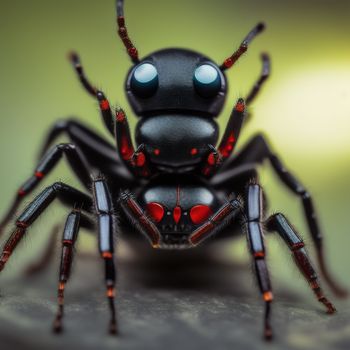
(176, 188)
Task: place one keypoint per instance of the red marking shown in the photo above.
(39, 174)
(177, 210)
(228, 145)
(156, 152)
(240, 106)
(110, 292)
(156, 211)
(120, 116)
(177, 214)
(297, 246)
(61, 285)
(107, 255)
(140, 159)
(211, 159)
(259, 255)
(104, 104)
(21, 224)
(194, 151)
(133, 52)
(228, 62)
(127, 150)
(268, 296)
(21, 193)
(67, 242)
(200, 213)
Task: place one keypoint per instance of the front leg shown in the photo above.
(217, 157)
(217, 222)
(106, 228)
(259, 150)
(136, 161)
(254, 216)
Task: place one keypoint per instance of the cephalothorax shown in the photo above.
(180, 186)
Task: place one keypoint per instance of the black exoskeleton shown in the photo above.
(179, 186)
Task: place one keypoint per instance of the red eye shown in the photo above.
(156, 211)
(199, 213)
(194, 151)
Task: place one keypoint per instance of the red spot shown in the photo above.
(21, 193)
(140, 159)
(240, 106)
(120, 116)
(156, 211)
(228, 146)
(268, 296)
(126, 148)
(228, 62)
(107, 255)
(194, 151)
(177, 214)
(199, 213)
(259, 255)
(104, 105)
(133, 52)
(211, 159)
(156, 152)
(39, 174)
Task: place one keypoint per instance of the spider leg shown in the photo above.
(48, 254)
(217, 222)
(76, 161)
(279, 223)
(232, 131)
(105, 108)
(104, 210)
(66, 194)
(265, 72)
(254, 215)
(69, 238)
(258, 150)
(139, 218)
(136, 161)
(97, 151)
(217, 157)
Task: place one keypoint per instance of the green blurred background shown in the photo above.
(304, 108)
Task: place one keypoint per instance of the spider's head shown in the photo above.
(176, 81)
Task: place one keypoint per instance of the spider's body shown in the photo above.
(178, 187)
(178, 206)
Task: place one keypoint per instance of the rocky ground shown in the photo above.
(180, 301)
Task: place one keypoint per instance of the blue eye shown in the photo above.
(206, 80)
(144, 81)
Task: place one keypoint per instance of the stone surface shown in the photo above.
(170, 301)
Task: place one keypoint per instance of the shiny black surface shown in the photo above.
(175, 137)
(176, 91)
